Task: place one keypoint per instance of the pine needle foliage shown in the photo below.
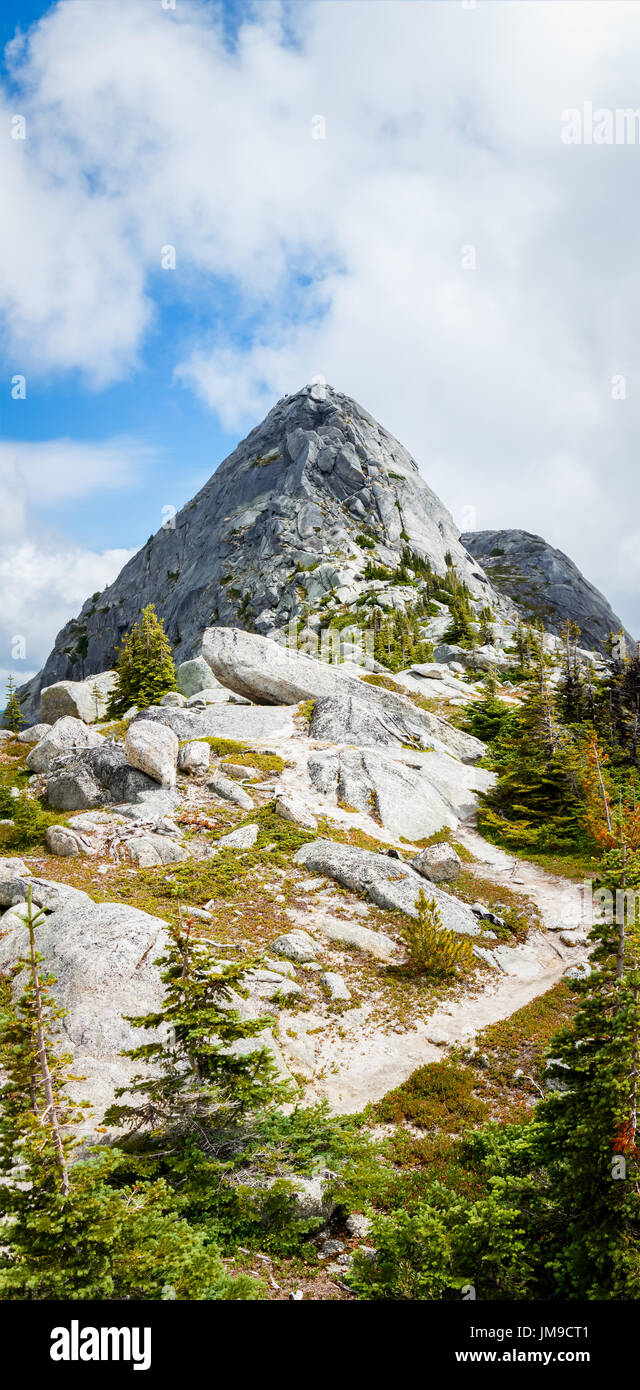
(433, 949)
(145, 666)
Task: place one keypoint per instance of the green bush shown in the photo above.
(433, 949)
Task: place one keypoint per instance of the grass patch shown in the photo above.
(262, 762)
(521, 1042)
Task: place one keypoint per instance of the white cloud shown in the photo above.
(41, 589)
(44, 579)
(39, 473)
(343, 254)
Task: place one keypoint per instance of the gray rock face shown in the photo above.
(94, 776)
(390, 883)
(296, 945)
(293, 494)
(34, 734)
(194, 676)
(413, 796)
(45, 893)
(242, 838)
(150, 850)
(194, 757)
(102, 956)
(272, 674)
(61, 840)
(64, 738)
(439, 863)
(173, 699)
(152, 748)
(86, 700)
(225, 721)
(336, 985)
(230, 791)
(545, 583)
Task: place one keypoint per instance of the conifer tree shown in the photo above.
(586, 1134)
(144, 664)
(13, 718)
(205, 1080)
(537, 802)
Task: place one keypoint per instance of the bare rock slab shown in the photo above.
(389, 883)
(62, 739)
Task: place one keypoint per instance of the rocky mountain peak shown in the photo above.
(298, 517)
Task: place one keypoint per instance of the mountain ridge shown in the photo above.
(545, 583)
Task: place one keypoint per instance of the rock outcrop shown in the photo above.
(389, 883)
(545, 584)
(271, 673)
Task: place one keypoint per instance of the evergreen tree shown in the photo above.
(205, 1079)
(78, 1230)
(13, 717)
(485, 628)
(537, 802)
(144, 664)
(586, 1136)
(571, 691)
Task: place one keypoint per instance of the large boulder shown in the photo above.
(194, 757)
(34, 733)
(389, 883)
(148, 851)
(263, 670)
(344, 718)
(413, 796)
(61, 840)
(486, 658)
(439, 863)
(103, 960)
(95, 776)
(242, 722)
(152, 748)
(66, 737)
(102, 957)
(45, 893)
(86, 700)
(271, 674)
(195, 675)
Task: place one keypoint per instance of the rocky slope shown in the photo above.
(545, 584)
(273, 534)
(302, 840)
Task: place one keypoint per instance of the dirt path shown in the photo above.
(559, 900)
(354, 1062)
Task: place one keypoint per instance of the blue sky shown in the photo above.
(185, 440)
(346, 255)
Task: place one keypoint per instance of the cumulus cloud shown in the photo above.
(44, 578)
(41, 590)
(344, 255)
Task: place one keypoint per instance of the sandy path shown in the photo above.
(355, 1061)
